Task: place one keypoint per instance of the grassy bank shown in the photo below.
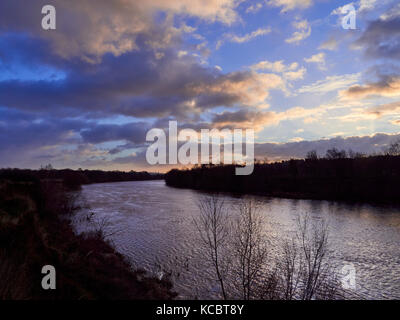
(371, 179)
(35, 231)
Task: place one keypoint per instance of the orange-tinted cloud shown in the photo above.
(387, 87)
(89, 31)
(244, 119)
(385, 109)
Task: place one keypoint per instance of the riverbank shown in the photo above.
(367, 179)
(35, 231)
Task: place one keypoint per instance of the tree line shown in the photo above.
(339, 175)
(73, 179)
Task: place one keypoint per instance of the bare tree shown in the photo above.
(334, 153)
(355, 155)
(269, 287)
(393, 149)
(314, 244)
(214, 232)
(305, 271)
(101, 227)
(312, 155)
(290, 268)
(301, 272)
(249, 248)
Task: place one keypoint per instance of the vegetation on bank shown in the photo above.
(73, 179)
(337, 176)
(35, 231)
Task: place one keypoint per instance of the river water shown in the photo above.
(152, 225)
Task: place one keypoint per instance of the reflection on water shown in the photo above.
(152, 225)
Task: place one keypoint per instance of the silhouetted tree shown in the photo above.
(249, 246)
(393, 149)
(354, 155)
(46, 167)
(334, 153)
(214, 233)
(312, 155)
(360, 178)
(300, 272)
(305, 270)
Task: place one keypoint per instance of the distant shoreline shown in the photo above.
(296, 196)
(74, 179)
(374, 179)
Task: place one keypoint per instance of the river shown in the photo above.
(152, 225)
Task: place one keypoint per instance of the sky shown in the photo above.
(85, 94)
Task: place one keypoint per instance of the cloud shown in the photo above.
(331, 83)
(330, 44)
(112, 26)
(26, 141)
(229, 37)
(302, 113)
(296, 139)
(258, 120)
(362, 7)
(367, 5)
(388, 86)
(392, 13)
(288, 5)
(304, 32)
(381, 39)
(385, 109)
(254, 8)
(244, 119)
(131, 61)
(133, 132)
(20, 129)
(134, 84)
(276, 66)
(245, 88)
(363, 144)
(319, 59)
(296, 149)
(295, 75)
(290, 72)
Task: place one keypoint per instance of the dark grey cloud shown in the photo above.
(381, 39)
(21, 130)
(134, 84)
(245, 119)
(130, 65)
(387, 86)
(26, 141)
(133, 132)
(122, 147)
